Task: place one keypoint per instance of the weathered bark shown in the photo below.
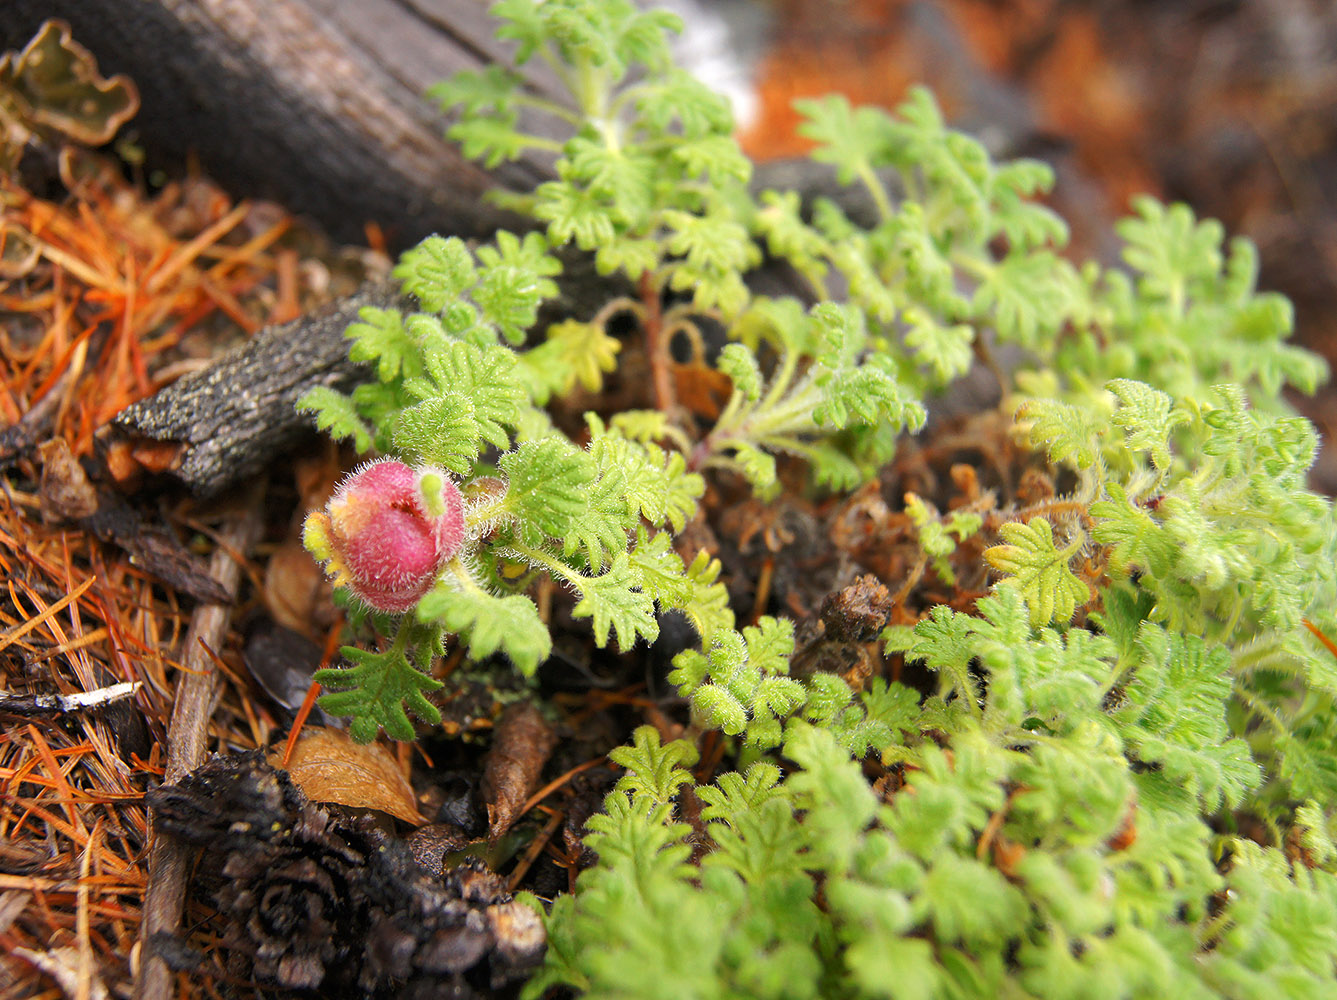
(232, 419)
(317, 104)
(229, 421)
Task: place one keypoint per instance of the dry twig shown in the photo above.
(196, 694)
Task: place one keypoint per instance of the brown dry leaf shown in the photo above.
(54, 83)
(66, 493)
(295, 588)
(521, 743)
(702, 389)
(19, 251)
(329, 767)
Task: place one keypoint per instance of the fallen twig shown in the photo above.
(56, 704)
(196, 693)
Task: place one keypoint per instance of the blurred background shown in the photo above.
(1229, 105)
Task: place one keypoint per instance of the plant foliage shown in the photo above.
(1118, 782)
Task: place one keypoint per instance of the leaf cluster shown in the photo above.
(1049, 839)
(1057, 810)
(453, 392)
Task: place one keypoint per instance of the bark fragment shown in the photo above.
(232, 418)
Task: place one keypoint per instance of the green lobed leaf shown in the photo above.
(436, 271)
(654, 769)
(441, 430)
(488, 624)
(740, 364)
(380, 337)
(1039, 570)
(487, 377)
(1148, 417)
(548, 483)
(614, 601)
(337, 415)
(491, 89)
(375, 691)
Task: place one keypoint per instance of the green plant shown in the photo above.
(1062, 810)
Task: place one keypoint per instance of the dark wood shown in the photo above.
(231, 419)
(317, 104)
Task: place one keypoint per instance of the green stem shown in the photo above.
(1256, 704)
(560, 68)
(401, 641)
(1259, 655)
(875, 188)
(774, 425)
(460, 572)
(539, 142)
(549, 107)
(781, 380)
(731, 410)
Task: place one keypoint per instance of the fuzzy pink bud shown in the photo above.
(388, 531)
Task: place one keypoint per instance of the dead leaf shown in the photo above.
(329, 767)
(521, 743)
(19, 251)
(702, 389)
(295, 587)
(282, 662)
(55, 83)
(66, 493)
(857, 612)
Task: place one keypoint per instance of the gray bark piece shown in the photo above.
(234, 417)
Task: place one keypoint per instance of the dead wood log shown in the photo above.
(317, 104)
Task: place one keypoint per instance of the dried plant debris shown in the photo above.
(52, 89)
(858, 612)
(311, 900)
(520, 747)
(329, 767)
(281, 661)
(65, 491)
(154, 550)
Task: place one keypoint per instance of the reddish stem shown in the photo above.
(656, 349)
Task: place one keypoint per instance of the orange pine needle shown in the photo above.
(1318, 634)
(17, 633)
(309, 702)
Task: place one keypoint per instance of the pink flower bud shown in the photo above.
(388, 531)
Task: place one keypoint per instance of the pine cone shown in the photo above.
(314, 900)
